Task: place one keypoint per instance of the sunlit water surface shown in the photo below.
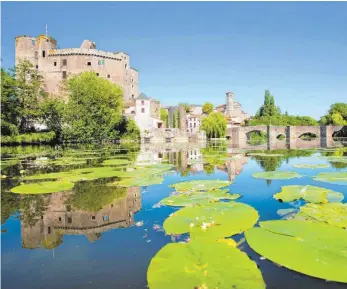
(49, 243)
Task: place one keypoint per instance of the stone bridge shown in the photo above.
(324, 136)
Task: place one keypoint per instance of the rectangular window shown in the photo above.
(69, 220)
(194, 124)
(68, 208)
(93, 217)
(49, 230)
(59, 219)
(43, 53)
(55, 63)
(126, 65)
(89, 63)
(37, 67)
(97, 74)
(64, 62)
(101, 62)
(108, 76)
(64, 74)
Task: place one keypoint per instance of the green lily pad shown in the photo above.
(310, 194)
(336, 159)
(276, 175)
(214, 221)
(311, 166)
(198, 198)
(285, 212)
(264, 155)
(200, 185)
(339, 178)
(43, 187)
(314, 249)
(332, 213)
(141, 181)
(112, 162)
(203, 265)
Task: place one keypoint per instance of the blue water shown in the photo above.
(119, 257)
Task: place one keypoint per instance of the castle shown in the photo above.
(56, 65)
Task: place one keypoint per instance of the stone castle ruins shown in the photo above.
(56, 65)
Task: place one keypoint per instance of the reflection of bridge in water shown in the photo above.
(60, 219)
(240, 137)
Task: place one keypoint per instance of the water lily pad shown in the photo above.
(276, 175)
(332, 213)
(264, 155)
(286, 212)
(310, 194)
(311, 166)
(314, 249)
(336, 159)
(199, 264)
(200, 185)
(141, 181)
(214, 221)
(43, 187)
(112, 162)
(339, 178)
(198, 198)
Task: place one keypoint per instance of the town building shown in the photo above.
(56, 64)
(232, 110)
(146, 113)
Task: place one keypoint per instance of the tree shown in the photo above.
(187, 107)
(174, 119)
(52, 114)
(164, 116)
(94, 109)
(207, 108)
(9, 104)
(214, 125)
(337, 115)
(29, 90)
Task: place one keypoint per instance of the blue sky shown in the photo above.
(196, 51)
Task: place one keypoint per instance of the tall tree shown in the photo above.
(29, 90)
(164, 116)
(94, 109)
(10, 114)
(214, 125)
(52, 114)
(337, 115)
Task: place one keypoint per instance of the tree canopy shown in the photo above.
(94, 108)
(207, 108)
(214, 125)
(337, 115)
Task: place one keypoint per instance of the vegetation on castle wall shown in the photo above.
(92, 114)
(164, 116)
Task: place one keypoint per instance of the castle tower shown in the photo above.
(26, 49)
(45, 45)
(229, 104)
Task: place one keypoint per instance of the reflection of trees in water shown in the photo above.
(341, 152)
(10, 204)
(271, 163)
(92, 196)
(208, 169)
(32, 208)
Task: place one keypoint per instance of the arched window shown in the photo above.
(142, 110)
(142, 102)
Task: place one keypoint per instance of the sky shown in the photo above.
(194, 52)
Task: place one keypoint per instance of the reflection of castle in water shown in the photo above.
(234, 166)
(59, 219)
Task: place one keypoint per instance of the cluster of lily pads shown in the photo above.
(209, 259)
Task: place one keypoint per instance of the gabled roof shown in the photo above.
(143, 96)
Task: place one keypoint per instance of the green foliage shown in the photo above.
(9, 104)
(207, 108)
(164, 116)
(258, 136)
(174, 116)
(187, 107)
(214, 125)
(29, 90)
(10, 204)
(178, 119)
(314, 249)
(52, 114)
(29, 138)
(269, 108)
(337, 115)
(129, 130)
(94, 109)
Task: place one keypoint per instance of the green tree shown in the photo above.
(214, 125)
(207, 108)
(174, 119)
(52, 114)
(164, 116)
(187, 107)
(178, 118)
(9, 104)
(268, 108)
(337, 115)
(94, 109)
(29, 90)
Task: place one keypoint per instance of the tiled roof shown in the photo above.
(143, 96)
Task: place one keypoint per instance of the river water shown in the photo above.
(79, 239)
